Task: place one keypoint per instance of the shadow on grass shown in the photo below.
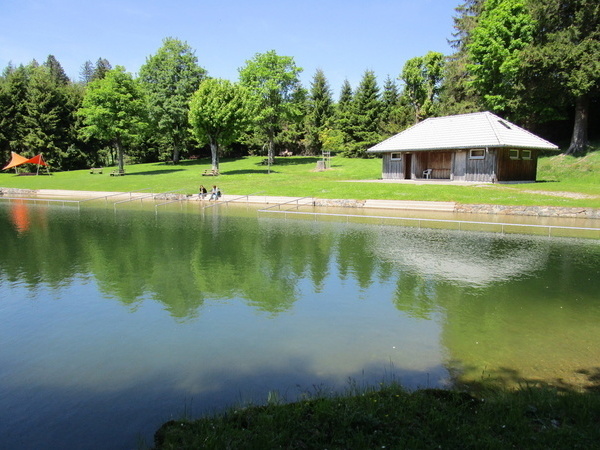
(293, 161)
(247, 171)
(154, 172)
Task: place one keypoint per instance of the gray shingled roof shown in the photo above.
(463, 131)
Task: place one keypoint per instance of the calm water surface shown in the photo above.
(116, 321)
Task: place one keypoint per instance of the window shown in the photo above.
(513, 154)
(396, 156)
(525, 154)
(477, 154)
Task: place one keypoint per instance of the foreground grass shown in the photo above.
(565, 181)
(390, 417)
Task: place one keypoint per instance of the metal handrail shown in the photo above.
(115, 194)
(146, 196)
(459, 222)
(231, 200)
(30, 199)
(285, 203)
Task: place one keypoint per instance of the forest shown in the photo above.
(534, 62)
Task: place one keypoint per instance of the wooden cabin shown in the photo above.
(467, 147)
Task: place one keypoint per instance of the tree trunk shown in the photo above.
(271, 156)
(120, 157)
(176, 152)
(214, 151)
(579, 138)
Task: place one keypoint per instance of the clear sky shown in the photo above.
(342, 37)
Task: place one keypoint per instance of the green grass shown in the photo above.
(295, 176)
(390, 417)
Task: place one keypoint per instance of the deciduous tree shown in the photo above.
(273, 83)
(170, 78)
(504, 29)
(113, 109)
(219, 112)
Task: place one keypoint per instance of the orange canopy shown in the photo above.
(17, 160)
(39, 159)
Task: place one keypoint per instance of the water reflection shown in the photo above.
(135, 310)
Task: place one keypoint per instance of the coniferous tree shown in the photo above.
(458, 95)
(343, 114)
(392, 114)
(292, 137)
(13, 93)
(45, 118)
(320, 112)
(57, 72)
(86, 73)
(101, 68)
(365, 110)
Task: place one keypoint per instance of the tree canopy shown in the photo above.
(113, 110)
(272, 81)
(170, 77)
(219, 113)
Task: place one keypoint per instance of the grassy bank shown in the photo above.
(564, 181)
(390, 417)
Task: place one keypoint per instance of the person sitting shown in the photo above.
(215, 193)
(202, 193)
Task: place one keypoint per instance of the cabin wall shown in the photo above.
(483, 170)
(392, 168)
(522, 167)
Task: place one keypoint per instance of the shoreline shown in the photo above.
(430, 206)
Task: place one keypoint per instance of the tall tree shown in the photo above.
(393, 113)
(320, 111)
(218, 114)
(458, 95)
(101, 68)
(56, 71)
(13, 95)
(422, 77)
(113, 110)
(273, 83)
(505, 28)
(170, 78)
(363, 131)
(564, 59)
(46, 116)
(86, 73)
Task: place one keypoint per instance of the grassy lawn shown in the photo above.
(564, 181)
(390, 417)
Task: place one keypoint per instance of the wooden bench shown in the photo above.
(117, 172)
(95, 170)
(210, 173)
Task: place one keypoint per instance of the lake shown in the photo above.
(115, 320)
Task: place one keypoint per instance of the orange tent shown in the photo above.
(17, 160)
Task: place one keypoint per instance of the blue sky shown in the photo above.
(342, 37)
